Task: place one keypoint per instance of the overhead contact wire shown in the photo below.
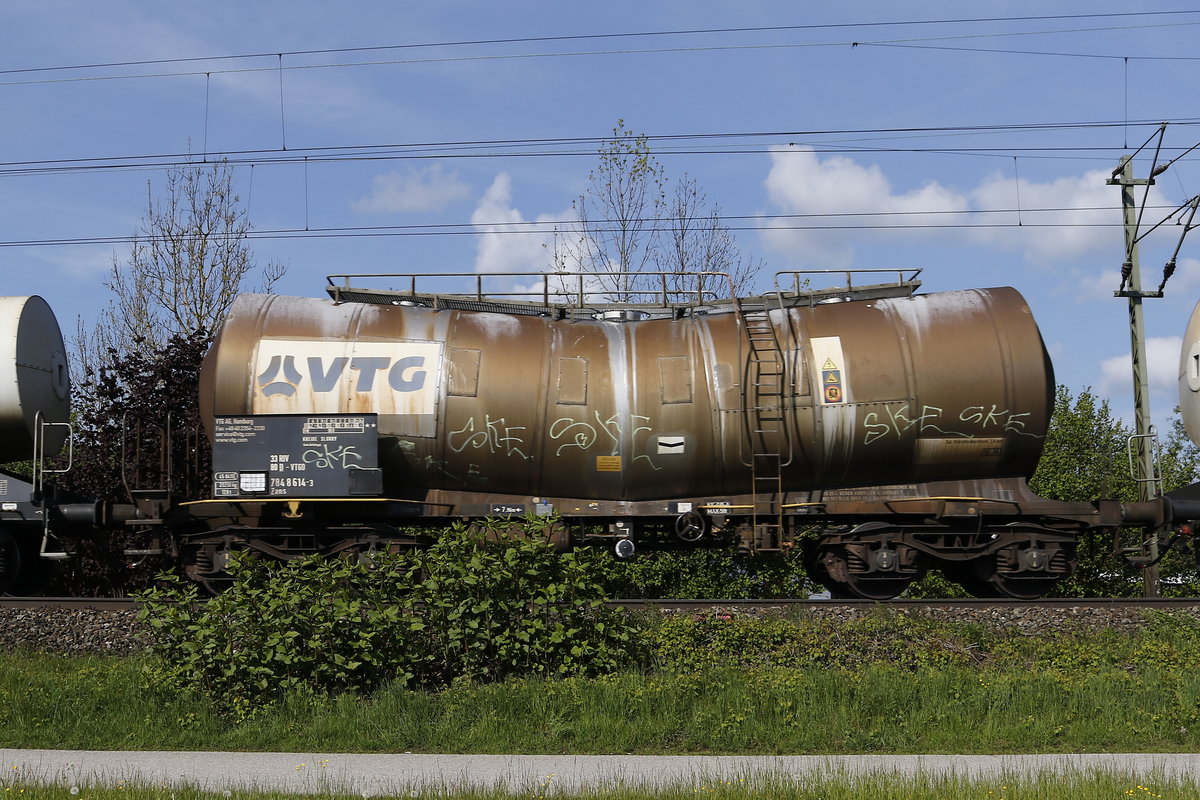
(595, 36)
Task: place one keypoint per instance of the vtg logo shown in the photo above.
(399, 375)
(281, 377)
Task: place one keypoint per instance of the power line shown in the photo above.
(354, 233)
(741, 222)
(1092, 154)
(1004, 51)
(675, 144)
(590, 37)
(562, 54)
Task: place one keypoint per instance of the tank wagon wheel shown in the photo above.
(199, 562)
(10, 562)
(871, 588)
(862, 570)
(998, 587)
(1021, 571)
(36, 574)
(23, 571)
(691, 526)
(1004, 587)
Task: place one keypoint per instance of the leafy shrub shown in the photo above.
(503, 604)
(691, 643)
(685, 644)
(470, 607)
(719, 572)
(310, 626)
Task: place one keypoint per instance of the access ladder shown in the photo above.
(765, 419)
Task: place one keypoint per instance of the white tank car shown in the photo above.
(33, 377)
(1189, 377)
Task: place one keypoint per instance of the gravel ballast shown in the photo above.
(117, 632)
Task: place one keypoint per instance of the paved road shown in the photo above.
(376, 774)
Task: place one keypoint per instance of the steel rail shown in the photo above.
(712, 604)
(965, 603)
(98, 603)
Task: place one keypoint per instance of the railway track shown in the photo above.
(121, 603)
(790, 604)
(102, 603)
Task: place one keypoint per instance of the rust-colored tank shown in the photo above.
(821, 394)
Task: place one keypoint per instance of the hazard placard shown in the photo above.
(827, 351)
(608, 463)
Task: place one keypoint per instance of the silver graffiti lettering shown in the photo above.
(1015, 423)
(899, 422)
(582, 434)
(875, 430)
(495, 435)
(326, 457)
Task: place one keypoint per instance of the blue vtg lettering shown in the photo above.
(283, 375)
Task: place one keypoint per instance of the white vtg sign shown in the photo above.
(322, 377)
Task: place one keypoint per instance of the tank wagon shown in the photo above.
(885, 431)
(36, 523)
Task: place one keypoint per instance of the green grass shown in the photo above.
(104, 703)
(1077, 786)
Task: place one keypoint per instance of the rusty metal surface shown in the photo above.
(929, 387)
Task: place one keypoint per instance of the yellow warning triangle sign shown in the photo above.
(829, 364)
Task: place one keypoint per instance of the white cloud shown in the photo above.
(1000, 212)
(801, 183)
(1182, 287)
(87, 263)
(1086, 227)
(506, 243)
(1090, 287)
(1162, 355)
(422, 189)
(331, 99)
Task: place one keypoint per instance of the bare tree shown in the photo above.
(614, 229)
(188, 260)
(626, 223)
(698, 241)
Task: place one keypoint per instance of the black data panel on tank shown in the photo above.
(296, 455)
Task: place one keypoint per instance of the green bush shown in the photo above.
(470, 607)
(311, 625)
(503, 604)
(1168, 642)
(683, 643)
(718, 572)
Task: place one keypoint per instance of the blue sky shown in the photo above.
(977, 150)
